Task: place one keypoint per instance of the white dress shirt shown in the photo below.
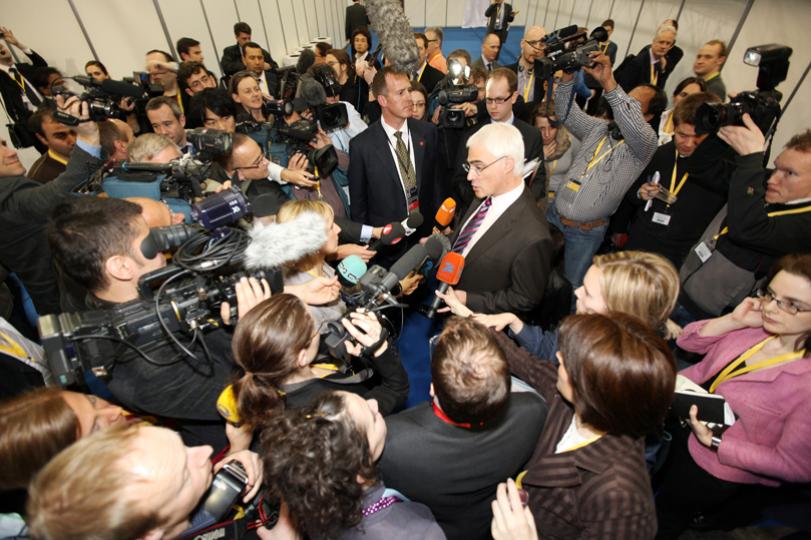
(498, 206)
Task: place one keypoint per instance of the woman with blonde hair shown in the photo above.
(638, 283)
(314, 265)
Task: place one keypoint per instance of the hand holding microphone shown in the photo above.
(449, 273)
(444, 215)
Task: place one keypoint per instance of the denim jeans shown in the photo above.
(579, 247)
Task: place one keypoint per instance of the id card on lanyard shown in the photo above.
(575, 184)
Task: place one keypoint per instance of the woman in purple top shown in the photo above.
(759, 359)
(321, 462)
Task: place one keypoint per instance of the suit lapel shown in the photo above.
(419, 150)
(497, 231)
(382, 149)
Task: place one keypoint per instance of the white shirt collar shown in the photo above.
(390, 131)
(485, 61)
(504, 200)
(509, 121)
(799, 201)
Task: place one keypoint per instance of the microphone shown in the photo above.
(412, 222)
(439, 246)
(392, 233)
(275, 244)
(415, 257)
(350, 270)
(449, 273)
(445, 214)
(311, 92)
(394, 30)
(306, 58)
(116, 88)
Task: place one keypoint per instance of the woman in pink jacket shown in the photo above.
(759, 359)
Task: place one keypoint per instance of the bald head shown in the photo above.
(156, 213)
(531, 46)
(490, 47)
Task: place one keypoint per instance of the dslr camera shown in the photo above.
(569, 50)
(763, 104)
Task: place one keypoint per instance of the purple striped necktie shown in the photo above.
(472, 226)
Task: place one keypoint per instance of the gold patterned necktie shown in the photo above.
(404, 162)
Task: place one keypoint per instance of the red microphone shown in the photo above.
(445, 214)
(390, 235)
(449, 273)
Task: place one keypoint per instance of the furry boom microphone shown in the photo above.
(279, 243)
(396, 36)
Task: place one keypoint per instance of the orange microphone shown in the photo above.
(448, 273)
(445, 214)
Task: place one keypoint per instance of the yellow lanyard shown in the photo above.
(595, 159)
(179, 102)
(653, 75)
(581, 445)
(669, 124)
(10, 347)
(422, 70)
(730, 372)
(57, 158)
(528, 86)
(674, 189)
(18, 78)
(605, 46)
(552, 167)
(777, 213)
(713, 76)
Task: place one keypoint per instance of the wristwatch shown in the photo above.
(715, 443)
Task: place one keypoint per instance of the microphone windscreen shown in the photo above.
(437, 245)
(121, 88)
(414, 220)
(351, 269)
(394, 30)
(305, 60)
(311, 92)
(445, 214)
(392, 233)
(450, 268)
(409, 262)
(276, 244)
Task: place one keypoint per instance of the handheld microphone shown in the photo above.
(449, 273)
(350, 270)
(115, 88)
(392, 233)
(412, 222)
(445, 214)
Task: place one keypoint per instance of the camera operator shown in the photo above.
(501, 94)
(129, 483)
(611, 157)
(97, 243)
(162, 70)
(26, 204)
(768, 215)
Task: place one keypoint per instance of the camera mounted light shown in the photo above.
(772, 63)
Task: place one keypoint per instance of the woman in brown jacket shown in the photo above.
(587, 477)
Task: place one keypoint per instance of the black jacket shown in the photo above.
(430, 77)
(455, 471)
(11, 92)
(25, 206)
(232, 59)
(355, 18)
(636, 70)
(492, 14)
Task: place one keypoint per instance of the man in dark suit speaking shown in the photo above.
(391, 164)
(450, 454)
(503, 236)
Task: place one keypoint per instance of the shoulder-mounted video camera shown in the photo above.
(569, 50)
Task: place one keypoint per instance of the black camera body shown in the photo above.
(452, 117)
(569, 50)
(763, 104)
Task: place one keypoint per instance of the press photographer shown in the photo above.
(611, 156)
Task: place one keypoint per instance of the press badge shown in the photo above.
(703, 252)
(574, 185)
(661, 219)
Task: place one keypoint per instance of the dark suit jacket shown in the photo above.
(508, 267)
(355, 18)
(430, 78)
(11, 92)
(492, 12)
(455, 471)
(538, 94)
(25, 206)
(635, 70)
(599, 491)
(533, 147)
(232, 59)
(479, 63)
(375, 190)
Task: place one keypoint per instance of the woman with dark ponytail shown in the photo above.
(275, 346)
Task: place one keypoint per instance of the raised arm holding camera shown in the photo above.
(612, 155)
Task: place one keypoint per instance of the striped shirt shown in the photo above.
(602, 188)
(601, 490)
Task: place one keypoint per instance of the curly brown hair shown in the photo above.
(313, 458)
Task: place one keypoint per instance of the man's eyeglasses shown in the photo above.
(497, 100)
(258, 162)
(766, 296)
(478, 169)
(535, 43)
(200, 83)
